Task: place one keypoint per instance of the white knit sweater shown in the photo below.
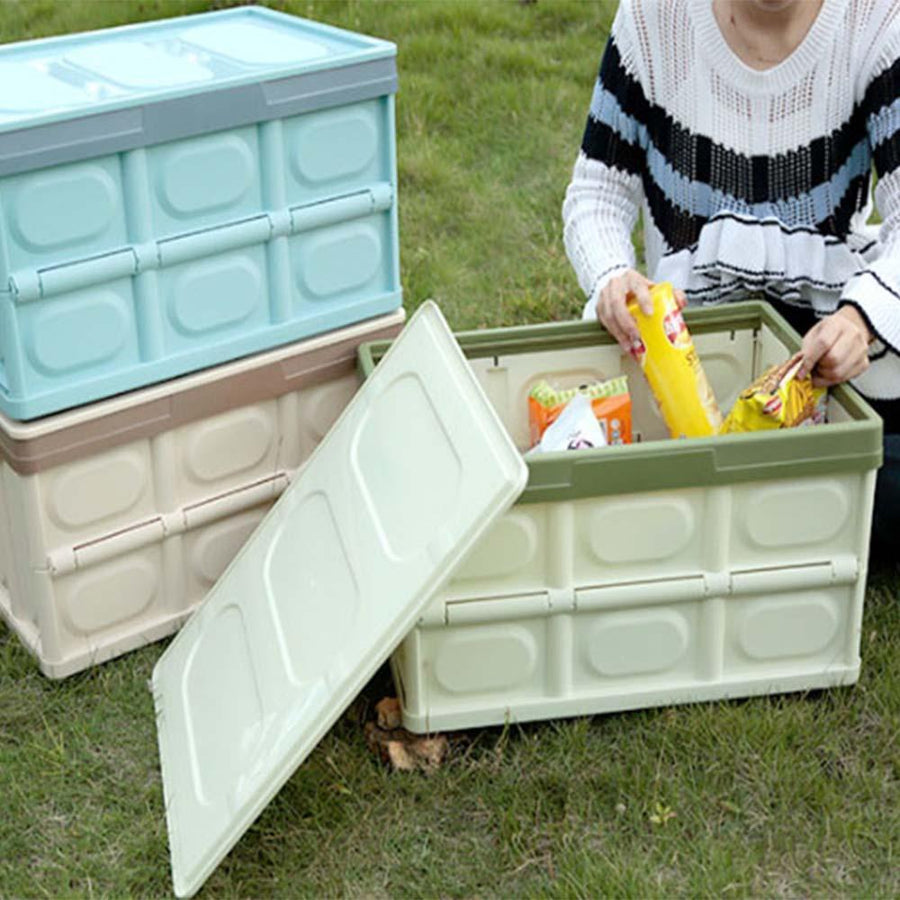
(748, 180)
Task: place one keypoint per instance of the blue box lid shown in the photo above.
(116, 89)
(71, 76)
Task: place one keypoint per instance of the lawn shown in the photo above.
(787, 796)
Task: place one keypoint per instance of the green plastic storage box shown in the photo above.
(660, 572)
(655, 573)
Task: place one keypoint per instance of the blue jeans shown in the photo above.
(886, 521)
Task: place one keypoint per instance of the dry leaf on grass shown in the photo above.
(388, 712)
(400, 749)
(399, 757)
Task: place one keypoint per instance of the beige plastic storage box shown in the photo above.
(660, 572)
(117, 518)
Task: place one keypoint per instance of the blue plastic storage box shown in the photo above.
(182, 193)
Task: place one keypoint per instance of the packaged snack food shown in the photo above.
(609, 400)
(777, 399)
(576, 428)
(667, 355)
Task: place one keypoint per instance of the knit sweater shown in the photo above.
(748, 180)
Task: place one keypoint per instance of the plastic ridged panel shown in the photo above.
(85, 597)
(570, 619)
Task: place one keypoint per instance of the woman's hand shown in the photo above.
(612, 310)
(836, 349)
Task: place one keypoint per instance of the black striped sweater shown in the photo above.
(748, 180)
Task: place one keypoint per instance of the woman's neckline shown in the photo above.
(715, 47)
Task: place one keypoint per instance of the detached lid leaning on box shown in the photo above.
(412, 474)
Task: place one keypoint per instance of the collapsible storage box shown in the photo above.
(659, 572)
(117, 518)
(182, 193)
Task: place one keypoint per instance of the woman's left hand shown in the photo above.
(836, 349)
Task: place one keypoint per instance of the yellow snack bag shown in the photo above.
(777, 399)
(667, 355)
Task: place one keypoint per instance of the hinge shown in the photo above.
(126, 262)
(497, 609)
(211, 241)
(717, 584)
(32, 284)
(224, 505)
(839, 570)
(376, 198)
(67, 560)
(641, 593)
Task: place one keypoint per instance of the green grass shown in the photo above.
(789, 796)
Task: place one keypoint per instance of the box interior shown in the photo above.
(731, 360)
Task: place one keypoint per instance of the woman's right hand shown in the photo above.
(612, 309)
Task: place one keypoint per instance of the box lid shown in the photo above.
(411, 475)
(156, 81)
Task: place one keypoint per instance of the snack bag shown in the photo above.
(576, 428)
(777, 399)
(670, 362)
(609, 400)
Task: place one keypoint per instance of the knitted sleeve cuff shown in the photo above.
(590, 307)
(878, 302)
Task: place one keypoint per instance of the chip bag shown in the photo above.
(610, 402)
(576, 428)
(777, 399)
(670, 362)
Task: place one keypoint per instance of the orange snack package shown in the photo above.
(610, 402)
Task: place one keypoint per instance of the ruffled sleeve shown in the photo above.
(875, 289)
(739, 253)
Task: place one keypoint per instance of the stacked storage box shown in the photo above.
(116, 518)
(173, 197)
(658, 572)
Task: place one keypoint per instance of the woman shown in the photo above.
(745, 132)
